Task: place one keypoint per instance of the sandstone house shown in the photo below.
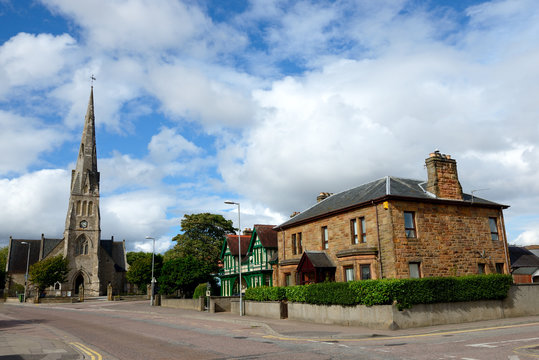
(394, 228)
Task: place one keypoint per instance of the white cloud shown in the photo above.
(188, 93)
(33, 204)
(168, 145)
(136, 214)
(125, 172)
(528, 237)
(118, 81)
(145, 26)
(23, 141)
(28, 59)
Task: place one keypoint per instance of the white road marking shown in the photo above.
(499, 343)
(513, 357)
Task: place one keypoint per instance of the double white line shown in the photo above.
(94, 355)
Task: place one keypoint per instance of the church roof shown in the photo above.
(18, 254)
(118, 256)
(49, 245)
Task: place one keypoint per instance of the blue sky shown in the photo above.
(263, 102)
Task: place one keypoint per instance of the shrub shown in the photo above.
(200, 291)
(265, 293)
(403, 292)
(296, 293)
(330, 293)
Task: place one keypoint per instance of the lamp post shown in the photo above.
(26, 275)
(239, 249)
(153, 278)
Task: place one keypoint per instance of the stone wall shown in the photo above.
(221, 303)
(522, 300)
(188, 304)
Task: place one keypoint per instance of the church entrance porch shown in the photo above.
(79, 280)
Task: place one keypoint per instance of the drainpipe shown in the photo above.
(505, 244)
(379, 242)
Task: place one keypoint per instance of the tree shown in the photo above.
(3, 261)
(132, 256)
(47, 272)
(202, 238)
(140, 272)
(183, 274)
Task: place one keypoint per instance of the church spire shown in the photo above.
(86, 177)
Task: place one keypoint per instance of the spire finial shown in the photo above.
(92, 79)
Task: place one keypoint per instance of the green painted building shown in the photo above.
(257, 249)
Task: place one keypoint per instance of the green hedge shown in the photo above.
(403, 292)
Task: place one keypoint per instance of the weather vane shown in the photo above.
(92, 78)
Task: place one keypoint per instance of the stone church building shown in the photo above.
(94, 263)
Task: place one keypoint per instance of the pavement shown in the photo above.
(33, 341)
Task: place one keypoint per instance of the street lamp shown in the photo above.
(153, 261)
(239, 249)
(26, 275)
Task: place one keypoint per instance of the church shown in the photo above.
(94, 263)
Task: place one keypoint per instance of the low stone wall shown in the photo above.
(55, 300)
(522, 300)
(188, 304)
(221, 303)
(267, 309)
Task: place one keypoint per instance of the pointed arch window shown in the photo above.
(82, 246)
(90, 208)
(79, 208)
(81, 152)
(84, 208)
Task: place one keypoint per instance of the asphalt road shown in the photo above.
(134, 330)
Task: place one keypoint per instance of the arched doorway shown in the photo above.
(244, 286)
(79, 280)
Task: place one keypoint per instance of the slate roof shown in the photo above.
(319, 259)
(267, 236)
(18, 255)
(388, 186)
(49, 245)
(522, 257)
(118, 256)
(107, 245)
(534, 249)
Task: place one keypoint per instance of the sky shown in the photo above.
(266, 103)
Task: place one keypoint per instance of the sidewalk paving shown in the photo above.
(29, 340)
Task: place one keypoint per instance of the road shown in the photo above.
(134, 330)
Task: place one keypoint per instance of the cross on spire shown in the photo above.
(92, 79)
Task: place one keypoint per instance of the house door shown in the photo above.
(78, 282)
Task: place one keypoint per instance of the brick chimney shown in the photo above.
(443, 180)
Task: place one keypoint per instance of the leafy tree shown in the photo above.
(140, 272)
(202, 238)
(183, 274)
(47, 272)
(3, 261)
(133, 256)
